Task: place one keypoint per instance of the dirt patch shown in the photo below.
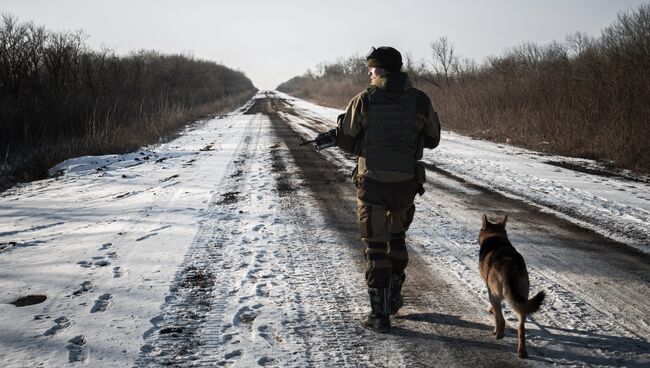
(195, 278)
(168, 330)
(269, 106)
(282, 184)
(229, 198)
(261, 106)
(248, 318)
(25, 301)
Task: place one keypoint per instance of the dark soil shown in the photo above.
(25, 301)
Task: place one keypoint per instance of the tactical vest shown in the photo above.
(391, 140)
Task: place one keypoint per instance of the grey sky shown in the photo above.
(272, 41)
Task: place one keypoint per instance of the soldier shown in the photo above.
(387, 126)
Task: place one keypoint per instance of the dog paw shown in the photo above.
(522, 354)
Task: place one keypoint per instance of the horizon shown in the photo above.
(273, 42)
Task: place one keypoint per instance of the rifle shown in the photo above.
(322, 140)
(305, 142)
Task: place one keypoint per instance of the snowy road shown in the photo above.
(232, 245)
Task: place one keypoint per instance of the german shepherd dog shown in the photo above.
(504, 271)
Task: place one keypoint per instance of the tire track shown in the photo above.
(175, 337)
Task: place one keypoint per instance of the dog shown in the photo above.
(504, 271)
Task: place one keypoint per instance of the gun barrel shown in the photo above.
(304, 143)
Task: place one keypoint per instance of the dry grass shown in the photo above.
(33, 163)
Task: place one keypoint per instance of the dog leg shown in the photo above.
(521, 335)
(499, 321)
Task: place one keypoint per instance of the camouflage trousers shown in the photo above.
(385, 211)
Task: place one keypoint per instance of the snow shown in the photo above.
(119, 224)
(107, 237)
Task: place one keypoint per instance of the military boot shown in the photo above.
(396, 300)
(378, 319)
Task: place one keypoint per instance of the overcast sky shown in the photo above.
(272, 41)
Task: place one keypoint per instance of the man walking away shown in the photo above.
(387, 126)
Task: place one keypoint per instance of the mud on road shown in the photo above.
(598, 290)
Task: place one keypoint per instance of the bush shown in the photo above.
(332, 84)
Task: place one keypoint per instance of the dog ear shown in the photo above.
(505, 219)
(485, 221)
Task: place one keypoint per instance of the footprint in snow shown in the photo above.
(228, 337)
(106, 246)
(102, 303)
(59, 324)
(98, 261)
(244, 315)
(78, 349)
(233, 354)
(118, 272)
(267, 361)
(262, 290)
(85, 264)
(101, 262)
(252, 273)
(261, 256)
(86, 286)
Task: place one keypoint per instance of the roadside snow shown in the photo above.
(102, 242)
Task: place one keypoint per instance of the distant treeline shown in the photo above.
(584, 97)
(60, 99)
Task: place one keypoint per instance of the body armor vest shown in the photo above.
(391, 140)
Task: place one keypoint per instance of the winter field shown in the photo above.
(233, 246)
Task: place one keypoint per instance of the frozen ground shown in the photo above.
(231, 245)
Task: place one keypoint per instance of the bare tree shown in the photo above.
(418, 71)
(578, 43)
(444, 58)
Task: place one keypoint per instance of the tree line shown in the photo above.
(583, 96)
(59, 98)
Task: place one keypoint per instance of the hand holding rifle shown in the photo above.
(322, 140)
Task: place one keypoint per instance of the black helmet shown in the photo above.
(385, 57)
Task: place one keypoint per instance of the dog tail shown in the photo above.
(523, 306)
